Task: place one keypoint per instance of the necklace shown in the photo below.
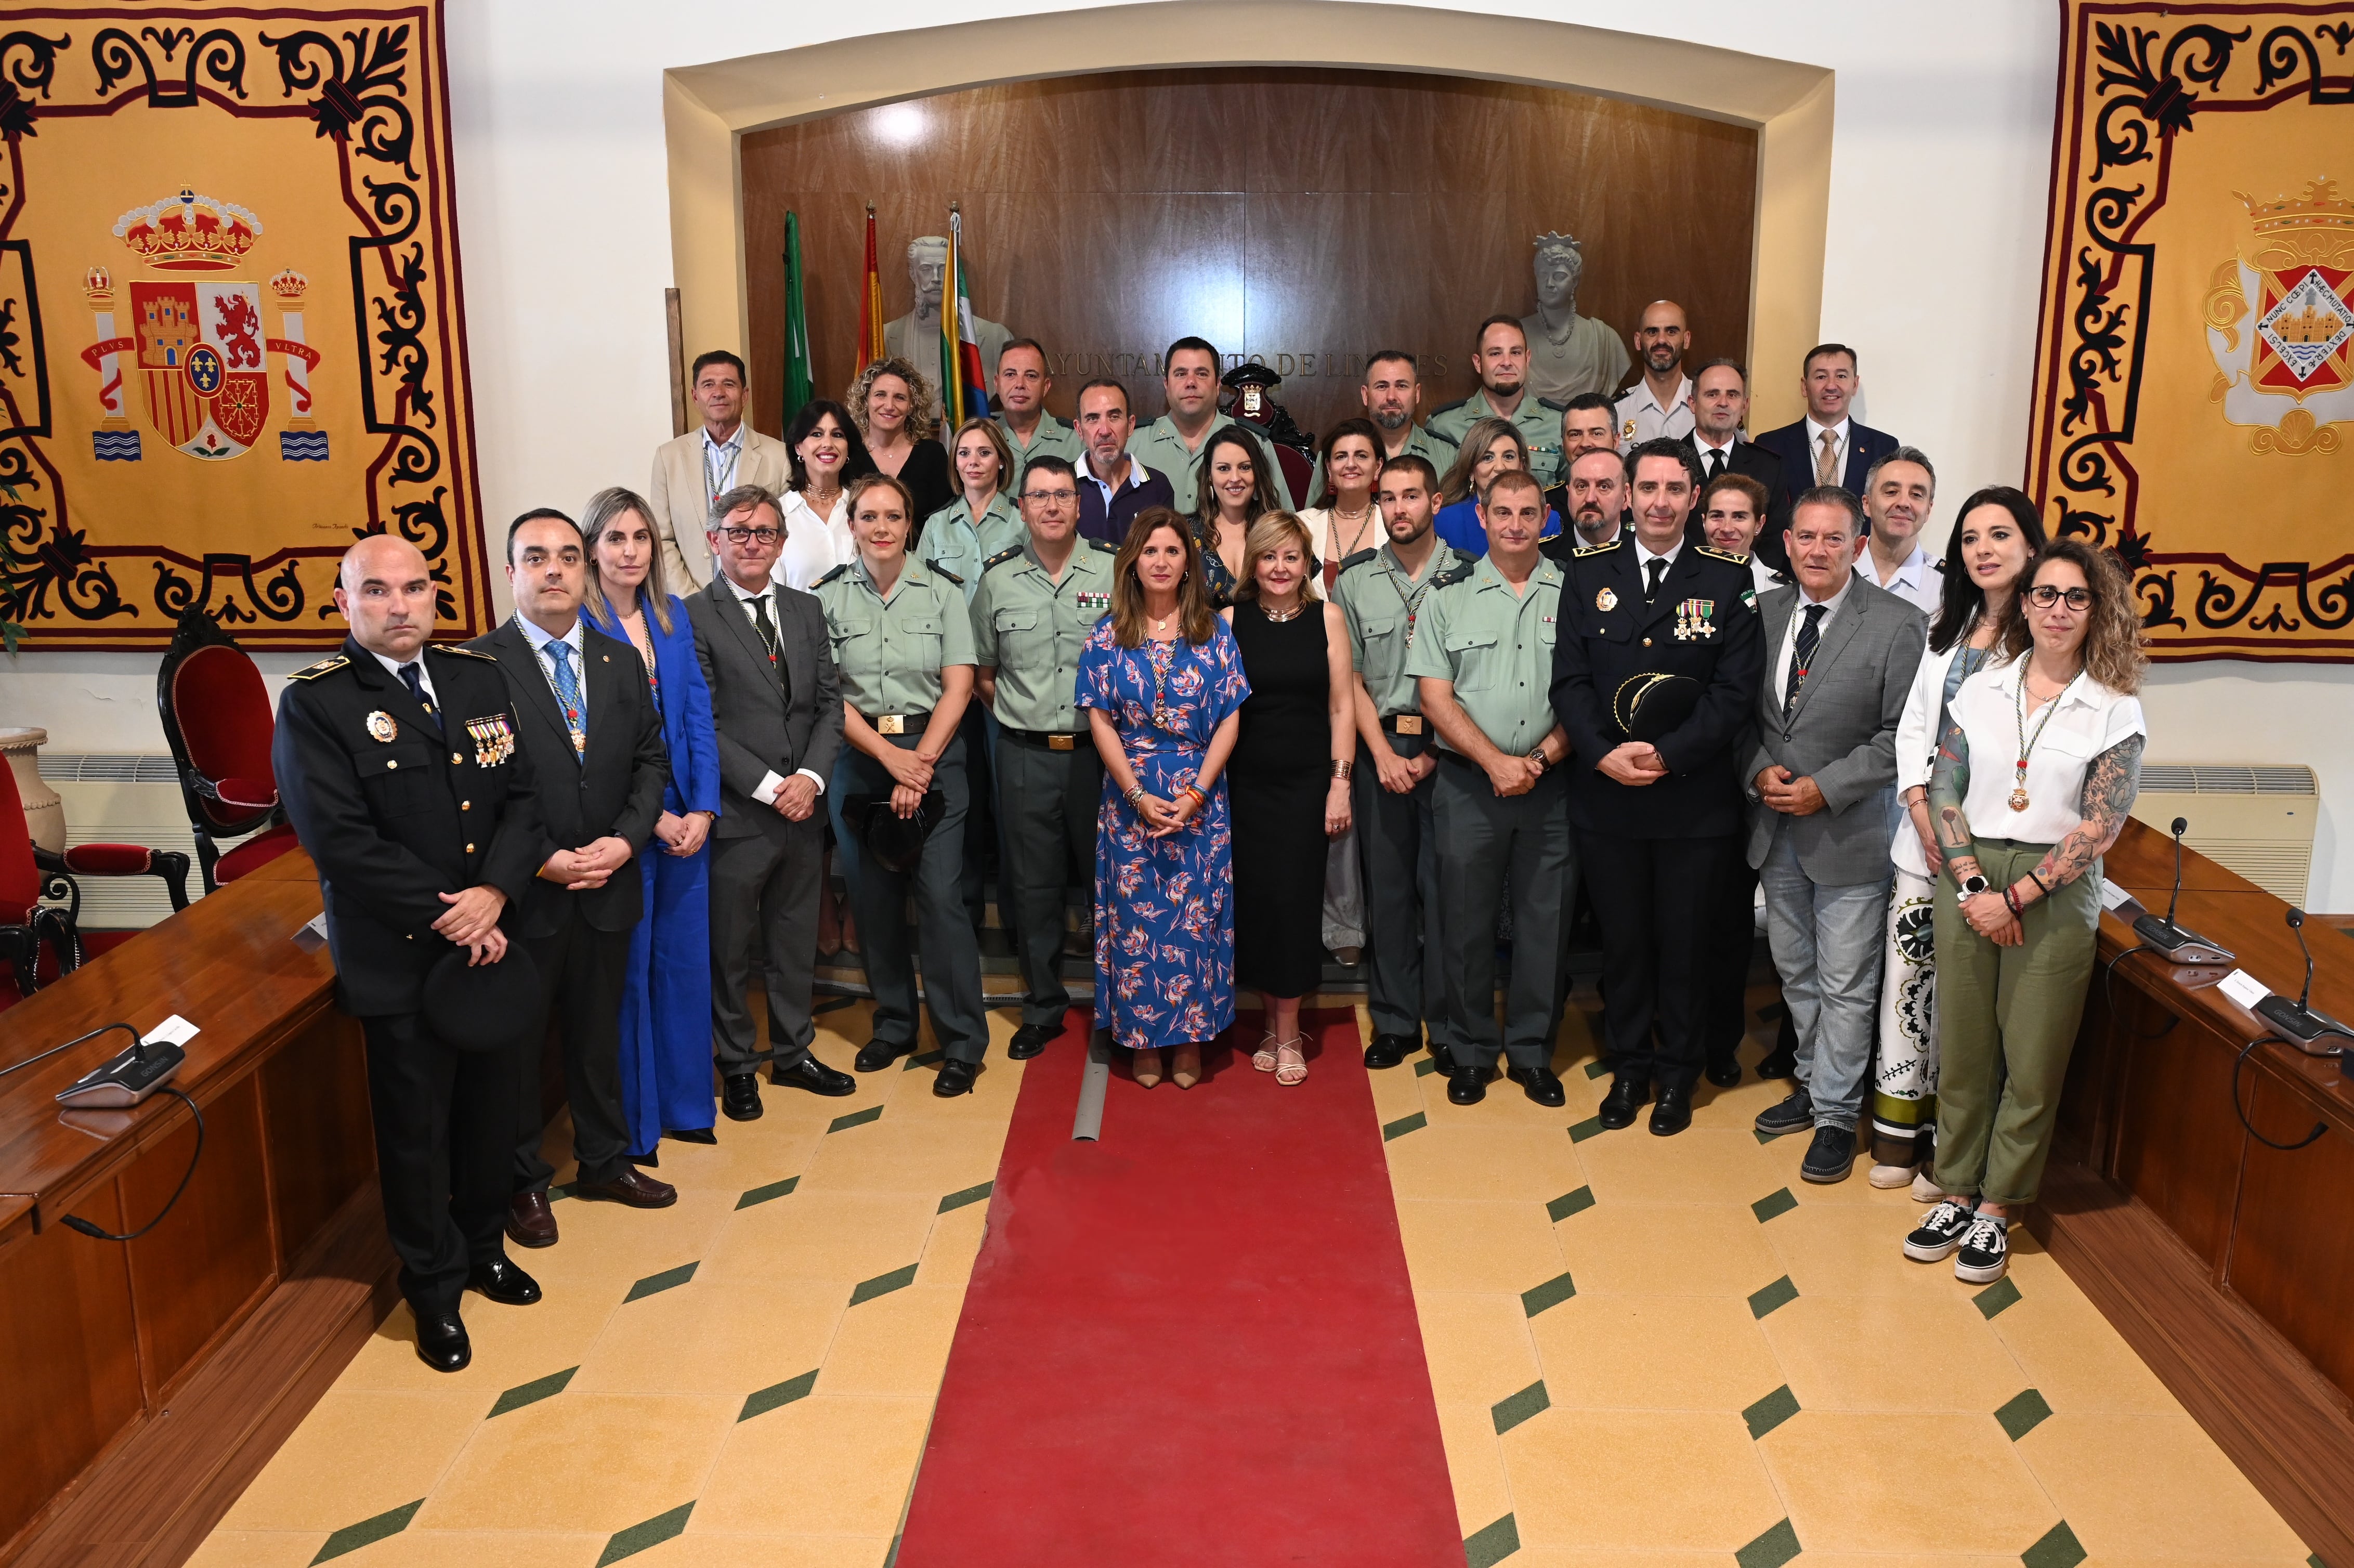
(821, 501)
(1280, 616)
(2026, 741)
(1358, 523)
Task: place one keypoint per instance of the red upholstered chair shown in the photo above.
(218, 722)
(29, 874)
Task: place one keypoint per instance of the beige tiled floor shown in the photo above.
(1652, 1416)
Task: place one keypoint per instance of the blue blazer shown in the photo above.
(686, 712)
(1865, 447)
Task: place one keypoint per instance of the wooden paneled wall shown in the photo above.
(1303, 216)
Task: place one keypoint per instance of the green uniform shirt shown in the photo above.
(951, 542)
(1031, 628)
(1160, 447)
(1386, 611)
(1537, 418)
(1495, 646)
(1051, 438)
(1436, 450)
(890, 650)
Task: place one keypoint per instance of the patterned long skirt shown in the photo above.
(1904, 1084)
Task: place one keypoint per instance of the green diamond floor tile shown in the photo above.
(1781, 1293)
(1484, 1548)
(856, 1118)
(969, 1195)
(1763, 1137)
(1586, 1130)
(2058, 1549)
(2003, 1293)
(882, 1284)
(1597, 1068)
(1551, 1293)
(1425, 1066)
(642, 1537)
(654, 1284)
(557, 1193)
(531, 1393)
(763, 1194)
(1512, 1411)
(1404, 1124)
(368, 1532)
(1570, 1204)
(928, 1059)
(2023, 1414)
(1771, 1549)
(1771, 1411)
(1772, 1204)
(762, 1401)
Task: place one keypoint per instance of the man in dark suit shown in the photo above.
(1826, 447)
(399, 767)
(777, 708)
(1113, 486)
(1720, 408)
(595, 740)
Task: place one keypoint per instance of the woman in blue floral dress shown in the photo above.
(1162, 680)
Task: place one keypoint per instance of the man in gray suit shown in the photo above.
(1840, 659)
(777, 709)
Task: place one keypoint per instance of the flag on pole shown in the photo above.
(962, 391)
(797, 342)
(870, 305)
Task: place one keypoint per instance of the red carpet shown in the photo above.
(1193, 1343)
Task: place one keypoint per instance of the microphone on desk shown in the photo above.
(2177, 945)
(2296, 1019)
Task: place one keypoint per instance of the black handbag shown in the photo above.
(896, 842)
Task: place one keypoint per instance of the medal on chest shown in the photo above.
(383, 726)
(493, 739)
(1095, 599)
(1695, 619)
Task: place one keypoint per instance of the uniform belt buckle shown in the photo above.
(1061, 743)
(1409, 723)
(891, 724)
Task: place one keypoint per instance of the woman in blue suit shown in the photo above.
(666, 1007)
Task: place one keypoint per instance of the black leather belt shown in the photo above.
(1405, 724)
(899, 724)
(1046, 739)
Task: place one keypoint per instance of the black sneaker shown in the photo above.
(1795, 1114)
(1985, 1256)
(1941, 1231)
(1830, 1158)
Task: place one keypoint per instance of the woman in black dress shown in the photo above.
(1288, 778)
(899, 418)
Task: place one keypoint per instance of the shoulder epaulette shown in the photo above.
(1105, 545)
(1556, 408)
(1781, 579)
(1584, 550)
(946, 573)
(465, 652)
(1010, 553)
(1454, 574)
(324, 667)
(1735, 556)
(1358, 558)
(832, 575)
(1450, 407)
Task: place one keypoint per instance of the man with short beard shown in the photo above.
(1659, 403)
(1594, 499)
(1500, 358)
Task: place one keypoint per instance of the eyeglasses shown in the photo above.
(752, 535)
(1050, 495)
(2044, 596)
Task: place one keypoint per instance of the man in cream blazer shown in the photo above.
(689, 470)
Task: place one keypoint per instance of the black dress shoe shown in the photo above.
(1672, 1114)
(1467, 1085)
(1389, 1050)
(1541, 1084)
(1620, 1104)
(1794, 1114)
(876, 1055)
(1028, 1040)
(504, 1283)
(651, 1157)
(814, 1075)
(1776, 1065)
(1724, 1074)
(693, 1134)
(1830, 1158)
(739, 1096)
(631, 1189)
(955, 1078)
(441, 1342)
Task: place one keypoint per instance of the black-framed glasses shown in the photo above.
(2043, 596)
(752, 535)
(1050, 495)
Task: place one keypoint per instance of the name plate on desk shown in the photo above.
(314, 933)
(2244, 989)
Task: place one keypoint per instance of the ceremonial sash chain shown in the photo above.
(2018, 802)
(1409, 594)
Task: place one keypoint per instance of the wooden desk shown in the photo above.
(2227, 1266)
(240, 1307)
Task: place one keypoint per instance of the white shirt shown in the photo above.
(1839, 449)
(1797, 620)
(424, 675)
(1919, 581)
(572, 639)
(771, 781)
(1641, 419)
(812, 545)
(1701, 449)
(1645, 556)
(1762, 574)
(2084, 721)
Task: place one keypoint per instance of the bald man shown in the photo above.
(1659, 403)
(402, 776)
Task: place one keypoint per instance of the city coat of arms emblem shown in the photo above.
(2279, 325)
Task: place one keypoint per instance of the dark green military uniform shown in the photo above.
(1537, 418)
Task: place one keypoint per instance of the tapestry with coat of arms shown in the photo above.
(231, 339)
(2194, 372)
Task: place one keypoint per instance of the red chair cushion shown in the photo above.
(254, 794)
(259, 850)
(110, 859)
(222, 711)
(20, 879)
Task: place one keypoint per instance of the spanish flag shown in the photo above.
(963, 395)
(870, 304)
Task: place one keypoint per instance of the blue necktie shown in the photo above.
(568, 696)
(416, 679)
(1802, 654)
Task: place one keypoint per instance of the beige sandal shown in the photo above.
(1291, 1061)
(1185, 1067)
(1148, 1068)
(1264, 1057)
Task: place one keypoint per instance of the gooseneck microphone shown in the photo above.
(2296, 1019)
(2170, 940)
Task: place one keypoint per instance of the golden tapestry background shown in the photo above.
(231, 334)
(2195, 355)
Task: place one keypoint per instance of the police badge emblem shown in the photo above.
(381, 726)
(1606, 601)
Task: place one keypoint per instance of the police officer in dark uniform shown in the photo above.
(401, 774)
(1657, 818)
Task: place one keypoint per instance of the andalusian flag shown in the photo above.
(963, 393)
(797, 342)
(870, 306)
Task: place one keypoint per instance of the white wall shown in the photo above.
(1941, 166)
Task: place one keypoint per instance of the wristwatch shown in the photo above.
(1974, 885)
(1537, 756)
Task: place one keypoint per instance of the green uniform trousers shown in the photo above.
(1480, 837)
(2006, 1021)
(1049, 800)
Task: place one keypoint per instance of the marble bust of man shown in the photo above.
(1568, 353)
(916, 336)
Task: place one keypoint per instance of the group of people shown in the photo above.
(1515, 651)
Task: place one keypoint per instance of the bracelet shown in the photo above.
(1342, 768)
(1201, 802)
(2041, 886)
(2010, 898)
(1135, 793)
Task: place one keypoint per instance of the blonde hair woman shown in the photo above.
(898, 417)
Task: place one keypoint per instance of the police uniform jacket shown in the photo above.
(397, 808)
(1702, 624)
(1385, 611)
(1537, 418)
(1030, 629)
(889, 648)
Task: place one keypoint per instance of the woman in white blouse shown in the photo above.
(825, 451)
(2039, 766)
(1344, 519)
(1997, 537)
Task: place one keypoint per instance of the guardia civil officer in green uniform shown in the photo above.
(1656, 797)
(1482, 655)
(1172, 445)
(1382, 593)
(1030, 431)
(902, 642)
(1036, 604)
(1500, 358)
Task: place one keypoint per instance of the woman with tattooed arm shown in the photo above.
(2039, 766)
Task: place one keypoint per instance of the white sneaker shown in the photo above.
(1891, 1175)
(1925, 1191)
